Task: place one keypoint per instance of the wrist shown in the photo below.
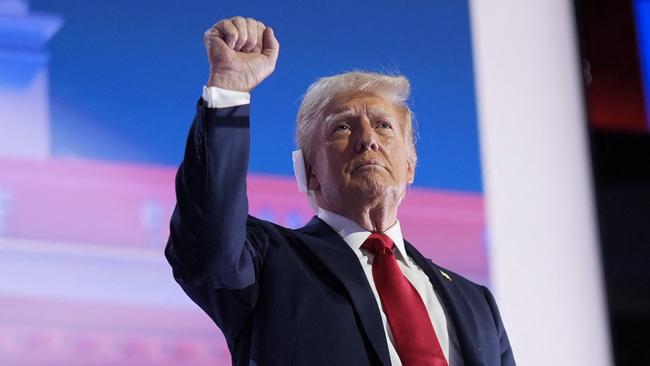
(228, 82)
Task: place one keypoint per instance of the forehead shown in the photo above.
(361, 102)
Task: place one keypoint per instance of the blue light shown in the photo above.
(642, 11)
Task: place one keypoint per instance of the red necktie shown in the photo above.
(415, 339)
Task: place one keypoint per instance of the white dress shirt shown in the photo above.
(354, 235)
(224, 98)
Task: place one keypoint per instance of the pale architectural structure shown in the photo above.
(24, 107)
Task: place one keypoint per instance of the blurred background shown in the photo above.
(96, 100)
(615, 47)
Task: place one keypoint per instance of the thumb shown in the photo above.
(270, 45)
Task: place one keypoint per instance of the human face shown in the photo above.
(360, 153)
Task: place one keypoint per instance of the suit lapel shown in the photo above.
(455, 304)
(337, 256)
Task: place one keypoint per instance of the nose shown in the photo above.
(366, 139)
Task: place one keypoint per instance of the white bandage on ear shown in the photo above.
(300, 172)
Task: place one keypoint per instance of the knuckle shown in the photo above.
(243, 38)
(222, 24)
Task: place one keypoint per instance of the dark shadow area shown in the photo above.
(620, 150)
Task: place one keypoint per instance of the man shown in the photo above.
(346, 289)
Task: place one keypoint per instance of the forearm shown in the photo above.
(208, 228)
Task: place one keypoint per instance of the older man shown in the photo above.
(346, 289)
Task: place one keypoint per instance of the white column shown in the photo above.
(544, 252)
(24, 98)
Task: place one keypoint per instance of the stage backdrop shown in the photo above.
(95, 102)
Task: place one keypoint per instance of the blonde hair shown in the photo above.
(321, 93)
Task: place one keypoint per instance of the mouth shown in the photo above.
(368, 164)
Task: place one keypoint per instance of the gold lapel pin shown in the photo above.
(445, 275)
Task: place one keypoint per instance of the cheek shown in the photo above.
(394, 148)
(337, 144)
(336, 152)
(399, 155)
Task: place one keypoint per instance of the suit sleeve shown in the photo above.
(507, 357)
(211, 245)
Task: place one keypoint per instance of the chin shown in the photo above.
(373, 188)
(377, 189)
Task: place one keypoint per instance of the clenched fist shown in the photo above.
(242, 52)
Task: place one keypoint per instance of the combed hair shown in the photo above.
(319, 94)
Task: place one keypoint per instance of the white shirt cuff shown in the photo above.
(224, 98)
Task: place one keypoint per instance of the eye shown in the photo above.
(383, 124)
(342, 127)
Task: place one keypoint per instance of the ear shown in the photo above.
(410, 171)
(312, 181)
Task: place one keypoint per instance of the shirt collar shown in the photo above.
(354, 235)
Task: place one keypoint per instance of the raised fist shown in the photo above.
(242, 52)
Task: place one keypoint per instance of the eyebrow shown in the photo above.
(373, 112)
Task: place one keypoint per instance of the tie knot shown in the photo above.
(378, 244)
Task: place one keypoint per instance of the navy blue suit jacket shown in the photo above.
(292, 297)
